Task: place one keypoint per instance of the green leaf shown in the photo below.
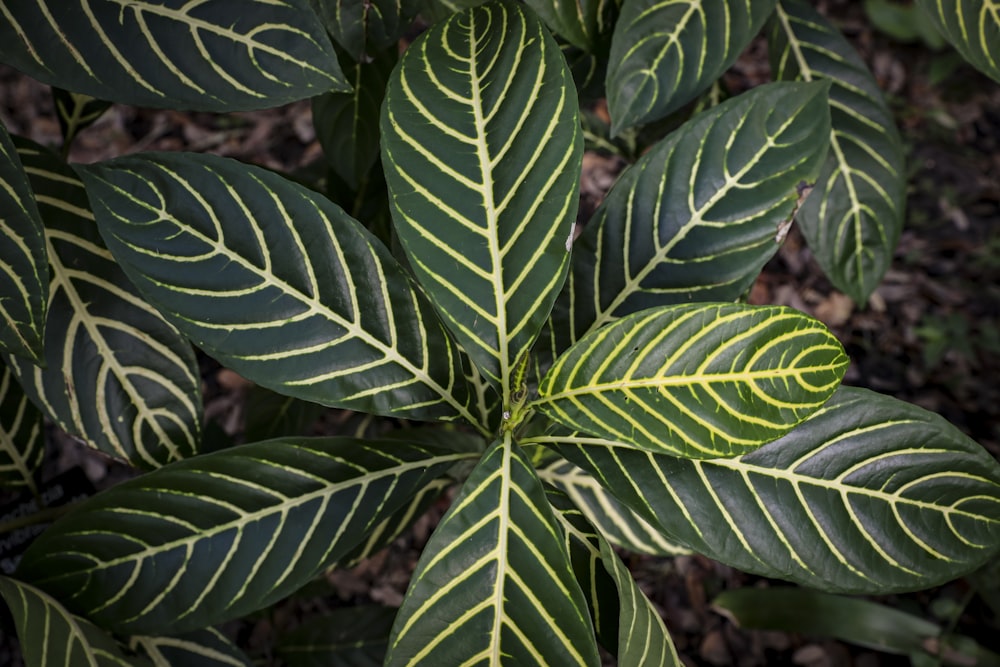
(365, 27)
(201, 648)
(76, 112)
(700, 381)
(50, 636)
(279, 284)
(616, 522)
(347, 123)
(353, 636)
(697, 217)
(271, 415)
(179, 55)
(21, 437)
(481, 148)
(972, 27)
(854, 215)
(586, 24)
(24, 279)
(116, 374)
(232, 531)
(665, 52)
(494, 584)
(870, 495)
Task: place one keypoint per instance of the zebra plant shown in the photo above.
(596, 386)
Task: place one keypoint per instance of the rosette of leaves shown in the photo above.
(606, 391)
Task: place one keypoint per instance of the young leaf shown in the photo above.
(76, 112)
(21, 436)
(51, 637)
(700, 381)
(695, 219)
(481, 148)
(116, 374)
(221, 535)
(854, 215)
(664, 53)
(365, 27)
(353, 636)
(173, 53)
(279, 284)
(972, 27)
(494, 582)
(201, 648)
(869, 495)
(24, 276)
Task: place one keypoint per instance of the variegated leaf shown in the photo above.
(494, 585)
(586, 24)
(221, 535)
(200, 648)
(116, 374)
(665, 52)
(700, 381)
(854, 215)
(210, 55)
(21, 437)
(972, 27)
(50, 636)
(616, 522)
(697, 217)
(76, 112)
(365, 27)
(481, 146)
(869, 495)
(279, 284)
(24, 279)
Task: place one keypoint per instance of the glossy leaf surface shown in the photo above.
(665, 52)
(180, 54)
(50, 636)
(22, 442)
(585, 24)
(278, 284)
(870, 495)
(200, 648)
(853, 216)
(972, 27)
(365, 27)
(481, 147)
(494, 584)
(696, 218)
(24, 278)
(220, 535)
(116, 373)
(701, 381)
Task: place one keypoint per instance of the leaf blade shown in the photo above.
(973, 28)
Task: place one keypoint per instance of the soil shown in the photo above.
(930, 334)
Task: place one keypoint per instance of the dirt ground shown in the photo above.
(930, 334)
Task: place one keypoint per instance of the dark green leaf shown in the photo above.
(21, 437)
(351, 637)
(200, 648)
(271, 415)
(365, 27)
(76, 112)
(586, 24)
(972, 27)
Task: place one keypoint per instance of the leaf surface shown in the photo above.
(354, 636)
(696, 218)
(221, 535)
(972, 27)
(854, 215)
(494, 584)
(279, 284)
(116, 373)
(585, 24)
(179, 55)
(666, 52)
(200, 648)
(76, 112)
(24, 278)
(481, 146)
(22, 442)
(365, 27)
(870, 495)
(701, 380)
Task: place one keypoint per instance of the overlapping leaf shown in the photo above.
(481, 147)
(868, 495)
(702, 380)
(494, 585)
(586, 24)
(616, 522)
(50, 636)
(279, 284)
(76, 112)
(220, 535)
(201, 648)
(854, 215)
(24, 280)
(972, 27)
(665, 52)
(365, 27)
(21, 437)
(696, 218)
(174, 53)
(116, 374)
(353, 636)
